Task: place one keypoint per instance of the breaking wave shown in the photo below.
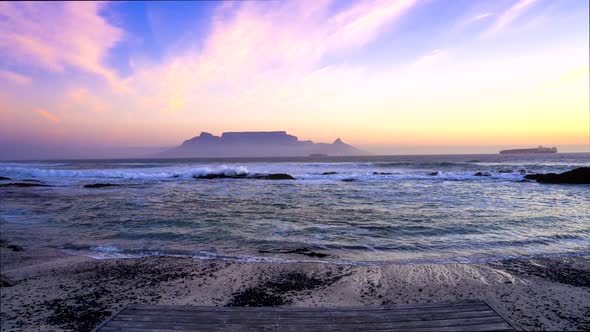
(126, 174)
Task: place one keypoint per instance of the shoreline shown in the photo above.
(63, 292)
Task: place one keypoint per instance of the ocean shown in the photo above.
(339, 210)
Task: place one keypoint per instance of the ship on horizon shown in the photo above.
(539, 149)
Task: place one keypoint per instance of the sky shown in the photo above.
(388, 76)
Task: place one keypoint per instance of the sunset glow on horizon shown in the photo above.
(399, 76)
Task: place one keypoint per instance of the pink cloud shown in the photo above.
(48, 116)
(53, 36)
(253, 42)
(15, 78)
(81, 99)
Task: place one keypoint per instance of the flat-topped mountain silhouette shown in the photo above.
(257, 144)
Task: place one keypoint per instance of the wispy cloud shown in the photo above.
(475, 18)
(510, 15)
(251, 41)
(47, 115)
(15, 78)
(53, 36)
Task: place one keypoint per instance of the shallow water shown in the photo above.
(403, 216)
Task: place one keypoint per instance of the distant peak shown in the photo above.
(205, 134)
(338, 141)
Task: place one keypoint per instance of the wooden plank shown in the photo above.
(247, 319)
(327, 308)
(445, 316)
(514, 325)
(405, 323)
(104, 322)
(474, 324)
(344, 310)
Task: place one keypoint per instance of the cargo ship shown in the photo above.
(539, 149)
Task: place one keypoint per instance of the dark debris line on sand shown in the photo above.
(13, 247)
(85, 309)
(275, 292)
(553, 271)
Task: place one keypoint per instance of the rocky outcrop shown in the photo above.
(272, 176)
(276, 176)
(482, 174)
(257, 144)
(579, 175)
(4, 178)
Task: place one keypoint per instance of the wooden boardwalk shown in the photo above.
(456, 316)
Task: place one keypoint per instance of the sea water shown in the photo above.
(373, 210)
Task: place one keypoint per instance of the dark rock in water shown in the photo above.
(329, 173)
(506, 171)
(101, 185)
(31, 180)
(522, 171)
(4, 178)
(382, 173)
(349, 180)
(275, 176)
(434, 173)
(537, 176)
(482, 174)
(579, 175)
(5, 281)
(301, 251)
(24, 185)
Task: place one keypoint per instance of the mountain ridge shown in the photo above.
(257, 144)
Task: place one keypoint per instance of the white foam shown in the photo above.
(106, 249)
(126, 174)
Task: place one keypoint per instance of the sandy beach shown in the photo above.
(61, 292)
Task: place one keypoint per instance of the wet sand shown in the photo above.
(60, 292)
